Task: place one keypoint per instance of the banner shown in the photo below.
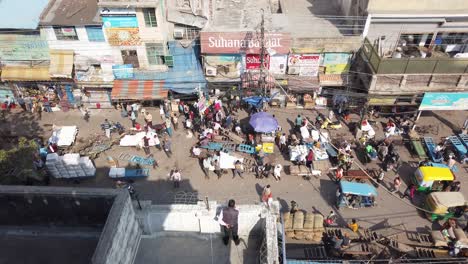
(228, 65)
(120, 22)
(336, 63)
(124, 71)
(252, 61)
(304, 64)
(444, 101)
(278, 64)
(123, 36)
(23, 47)
(243, 42)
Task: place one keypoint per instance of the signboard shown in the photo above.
(120, 22)
(124, 71)
(231, 65)
(252, 61)
(304, 64)
(243, 42)
(336, 63)
(123, 36)
(444, 101)
(278, 64)
(23, 47)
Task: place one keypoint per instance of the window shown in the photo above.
(95, 34)
(189, 33)
(150, 17)
(155, 53)
(65, 33)
(130, 57)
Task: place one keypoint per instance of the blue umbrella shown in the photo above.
(263, 122)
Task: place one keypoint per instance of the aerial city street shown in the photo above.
(233, 131)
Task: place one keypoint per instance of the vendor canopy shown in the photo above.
(263, 122)
(138, 90)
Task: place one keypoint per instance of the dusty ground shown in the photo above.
(317, 194)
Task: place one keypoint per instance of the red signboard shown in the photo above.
(252, 61)
(243, 42)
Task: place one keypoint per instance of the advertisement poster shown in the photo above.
(444, 101)
(119, 22)
(304, 64)
(225, 65)
(336, 63)
(123, 36)
(278, 64)
(252, 61)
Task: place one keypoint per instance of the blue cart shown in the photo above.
(458, 147)
(430, 145)
(464, 139)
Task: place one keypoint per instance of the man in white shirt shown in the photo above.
(282, 142)
(277, 172)
(228, 218)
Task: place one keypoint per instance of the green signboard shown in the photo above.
(23, 47)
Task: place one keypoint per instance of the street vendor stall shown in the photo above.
(137, 139)
(63, 136)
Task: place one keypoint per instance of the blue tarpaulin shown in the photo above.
(185, 77)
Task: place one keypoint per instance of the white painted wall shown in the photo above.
(102, 52)
(195, 218)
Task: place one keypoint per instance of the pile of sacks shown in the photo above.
(306, 226)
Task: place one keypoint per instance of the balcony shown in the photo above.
(128, 3)
(413, 65)
(410, 73)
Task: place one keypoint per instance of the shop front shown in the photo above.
(233, 58)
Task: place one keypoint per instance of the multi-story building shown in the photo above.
(411, 48)
(79, 50)
(24, 53)
(307, 49)
(157, 56)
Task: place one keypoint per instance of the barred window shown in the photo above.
(65, 33)
(155, 53)
(150, 17)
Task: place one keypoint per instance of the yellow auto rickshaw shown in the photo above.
(432, 178)
(445, 205)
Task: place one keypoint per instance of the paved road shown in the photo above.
(318, 194)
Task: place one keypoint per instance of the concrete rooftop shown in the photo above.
(302, 18)
(188, 248)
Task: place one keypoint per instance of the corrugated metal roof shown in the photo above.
(21, 14)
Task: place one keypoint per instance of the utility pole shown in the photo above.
(261, 80)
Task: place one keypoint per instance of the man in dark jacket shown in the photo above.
(228, 218)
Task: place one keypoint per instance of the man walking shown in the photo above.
(176, 178)
(228, 218)
(107, 128)
(149, 119)
(167, 147)
(238, 169)
(133, 118)
(298, 122)
(22, 103)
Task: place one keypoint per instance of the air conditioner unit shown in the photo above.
(293, 70)
(210, 71)
(179, 33)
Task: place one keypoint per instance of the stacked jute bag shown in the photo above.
(300, 226)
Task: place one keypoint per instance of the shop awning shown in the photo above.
(25, 73)
(138, 90)
(61, 63)
(303, 84)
